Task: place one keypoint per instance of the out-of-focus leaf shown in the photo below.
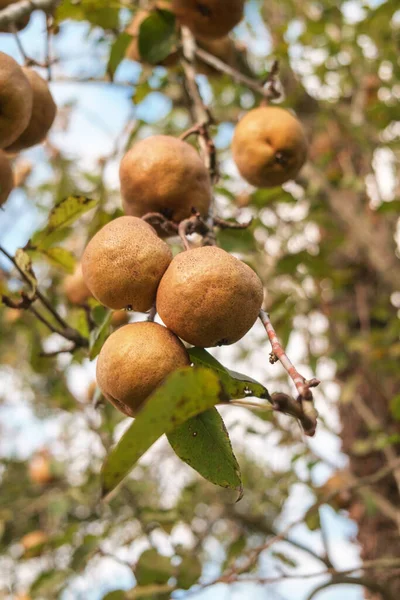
(117, 53)
(99, 335)
(203, 443)
(24, 263)
(84, 552)
(62, 215)
(48, 583)
(157, 36)
(59, 257)
(189, 572)
(152, 567)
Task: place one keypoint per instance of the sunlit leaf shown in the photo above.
(185, 394)
(203, 443)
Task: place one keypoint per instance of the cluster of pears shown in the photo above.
(210, 22)
(205, 296)
(27, 113)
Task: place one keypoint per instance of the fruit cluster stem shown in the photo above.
(303, 385)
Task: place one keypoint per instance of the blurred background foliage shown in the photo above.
(325, 247)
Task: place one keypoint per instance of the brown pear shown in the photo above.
(6, 178)
(166, 175)
(40, 469)
(123, 264)
(16, 99)
(75, 288)
(134, 361)
(21, 23)
(209, 298)
(33, 543)
(269, 146)
(209, 19)
(44, 111)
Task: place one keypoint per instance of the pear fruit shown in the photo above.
(20, 24)
(44, 111)
(269, 146)
(16, 98)
(33, 543)
(166, 175)
(6, 178)
(209, 298)
(40, 469)
(75, 288)
(135, 360)
(209, 19)
(123, 264)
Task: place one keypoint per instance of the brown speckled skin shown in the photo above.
(209, 298)
(15, 100)
(75, 288)
(164, 174)
(123, 264)
(44, 111)
(209, 19)
(259, 136)
(6, 178)
(135, 360)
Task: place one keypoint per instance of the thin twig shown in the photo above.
(266, 90)
(17, 11)
(302, 385)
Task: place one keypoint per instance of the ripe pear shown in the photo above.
(166, 175)
(33, 543)
(75, 288)
(119, 318)
(20, 24)
(123, 264)
(135, 360)
(16, 98)
(40, 471)
(209, 298)
(209, 19)
(132, 52)
(44, 111)
(269, 146)
(6, 178)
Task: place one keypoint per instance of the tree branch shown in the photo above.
(15, 12)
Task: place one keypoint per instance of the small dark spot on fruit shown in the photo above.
(281, 159)
(203, 9)
(223, 342)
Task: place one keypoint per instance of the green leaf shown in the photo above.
(395, 407)
(237, 240)
(152, 567)
(389, 207)
(312, 520)
(62, 215)
(185, 394)
(235, 385)
(157, 36)
(24, 263)
(84, 552)
(234, 549)
(190, 571)
(285, 559)
(48, 583)
(115, 595)
(60, 257)
(203, 443)
(99, 335)
(117, 52)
